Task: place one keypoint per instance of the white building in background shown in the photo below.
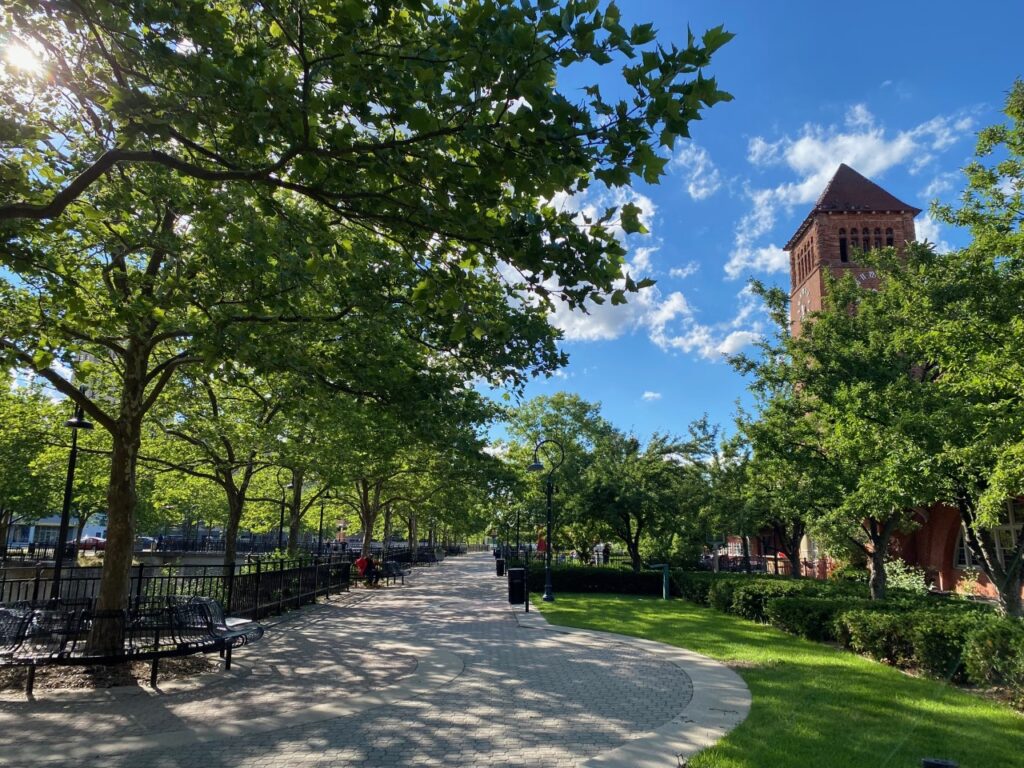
(44, 530)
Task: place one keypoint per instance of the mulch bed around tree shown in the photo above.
(101, 676)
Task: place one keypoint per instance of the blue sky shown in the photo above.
(895, 90)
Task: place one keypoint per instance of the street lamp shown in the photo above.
(320, 536)
(76, 423)
(284, 496)
(538, 466)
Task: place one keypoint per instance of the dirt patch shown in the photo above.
(102, 676)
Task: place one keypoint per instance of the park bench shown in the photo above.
(392, 571)
(56, 633)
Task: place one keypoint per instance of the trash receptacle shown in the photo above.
(516, 586)
(500, 566)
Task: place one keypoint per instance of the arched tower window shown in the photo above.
(844, 255)
(878, 237)
(888, 236)
(854, 239)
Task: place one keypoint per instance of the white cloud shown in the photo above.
(703, 178)
(651, 395)
(928, 229)
(813, 156)
(859, 117)
(743, 260)
(941, 183)
(675, 327)
(594, 201)
(761, 152)
(680, 273)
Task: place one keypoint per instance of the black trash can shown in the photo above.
(516, 586)
(500, 566)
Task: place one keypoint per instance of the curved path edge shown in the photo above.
(721, 701)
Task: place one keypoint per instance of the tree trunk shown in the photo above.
(876, 566)
(633, 547)
(295, 512)
(414, 542)
(387, 531)
(106, 636)
(236, 505)
(746, 554)
(5, 529)
(793, 555)
(982, 546)
(83, 520)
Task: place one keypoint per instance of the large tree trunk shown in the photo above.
(982, 546)
(790, 541)
(877, 581)
(106, 637)
(5, 529)
(414, 542)
(236, 505)
(879, 535)
(295, 512)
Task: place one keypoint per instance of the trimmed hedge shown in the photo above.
(942, 637)
(882, 635)
(810, 617)
(994, 655)
(597, 579)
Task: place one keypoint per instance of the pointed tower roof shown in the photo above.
(849, 192)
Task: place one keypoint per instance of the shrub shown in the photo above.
(696, 585)
(721, 593)
(848, 573)
(938, 638)
(883, 635)
(599, 579)
(907, 578)
(810, 617)
(994, 655)
(750, 600)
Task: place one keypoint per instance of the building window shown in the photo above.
(888, 236)
(878, 237)
(843, 253)
(1006, 536)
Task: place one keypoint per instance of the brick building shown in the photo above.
(854, 215)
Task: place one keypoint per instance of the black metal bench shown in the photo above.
(392, 571)
(56, 633)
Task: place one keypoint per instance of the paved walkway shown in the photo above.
(439, 672)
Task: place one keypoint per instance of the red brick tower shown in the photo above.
(852, 215)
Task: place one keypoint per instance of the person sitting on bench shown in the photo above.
(368, 569)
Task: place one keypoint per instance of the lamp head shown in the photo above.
(536, 466)
(78, 422)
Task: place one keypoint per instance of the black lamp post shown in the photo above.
(284, 497)
(76, 423)
(320, 535)
(537, 466)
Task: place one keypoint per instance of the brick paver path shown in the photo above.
(438, 672)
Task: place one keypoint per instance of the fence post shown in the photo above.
(258, 593)
(35, 583)
(316, 579)
(230, 588)
(138, 586)
(280, 591)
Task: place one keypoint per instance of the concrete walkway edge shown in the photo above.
(721, 701)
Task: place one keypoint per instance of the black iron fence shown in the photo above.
(251, 590)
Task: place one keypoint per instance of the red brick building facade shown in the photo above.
(854, 215)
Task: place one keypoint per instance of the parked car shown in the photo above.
(144, 543)
(93, 542)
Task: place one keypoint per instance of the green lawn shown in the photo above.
(813, 706)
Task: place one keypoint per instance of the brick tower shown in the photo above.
(852, 215)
